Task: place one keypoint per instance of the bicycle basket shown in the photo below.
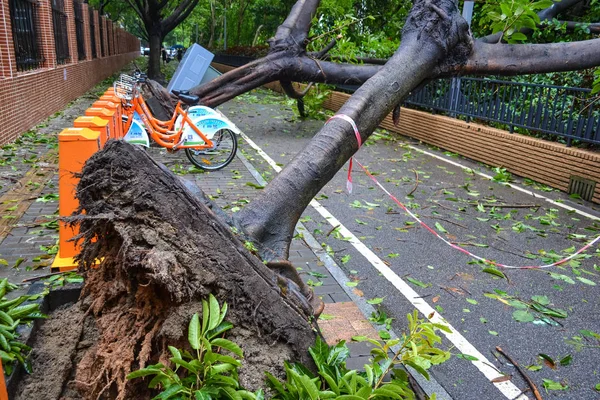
(124, 87)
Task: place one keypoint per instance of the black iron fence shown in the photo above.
(25, 37)
(93, 33)
(59, 24)
(567, 112)
(79, 31)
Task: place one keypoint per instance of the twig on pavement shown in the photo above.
(534, 388)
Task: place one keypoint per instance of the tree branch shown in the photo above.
(280, 66)
(507, 59)
(572, 25)
(179, 14)
(296, 25)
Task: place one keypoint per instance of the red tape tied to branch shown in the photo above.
(424, 225)
(358, 139)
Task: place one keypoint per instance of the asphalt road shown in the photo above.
(463, 207)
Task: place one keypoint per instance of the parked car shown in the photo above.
(144, 51)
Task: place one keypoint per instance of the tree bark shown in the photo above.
(162, 250)
(154, 58)
(429, 35)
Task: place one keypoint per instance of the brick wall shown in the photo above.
(546, 162)
(29, 97)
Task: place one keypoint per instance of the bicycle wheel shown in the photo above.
(221, 154)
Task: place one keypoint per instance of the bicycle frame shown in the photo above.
(162, 131)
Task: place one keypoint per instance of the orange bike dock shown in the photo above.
(76, 145)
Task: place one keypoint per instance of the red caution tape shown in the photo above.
(465, 251)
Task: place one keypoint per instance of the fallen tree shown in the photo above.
(163, 250)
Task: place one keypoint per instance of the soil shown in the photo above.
(64, 339)
(55, 347)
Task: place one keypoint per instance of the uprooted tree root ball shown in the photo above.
(160, 250)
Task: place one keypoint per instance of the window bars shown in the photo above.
(101, 23)
(79, 32)
(59, 23)
(23, 14)
(93, 33)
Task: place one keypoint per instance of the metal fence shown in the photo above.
(27, 50)
(59, 24)
(571, 113)
(93, 33)
(79, 31)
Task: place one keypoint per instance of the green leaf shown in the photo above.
(215, 314)
(543, 300)
(586, 281)
(200, 395)
(549, 384)
(307, 384)
(183, 363)
(170, 391)
(227, 345)
(523, 316)
(562, 277)
(194, 332)
(467, 357)
(376, 300)
(472, 301)
(440, 228)
(219, 330)
(175, 352)
(494, 271)
(518, 36)
(142, 372)
(351, 284)
(597, 387)
(204, 316)
(417, 282)
(566, 360)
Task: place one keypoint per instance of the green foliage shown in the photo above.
(12, 314)
(313, 101)
(335, 381)
(205, 373)
(512, 16)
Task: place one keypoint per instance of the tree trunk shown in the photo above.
(213, 24)
(154, 59)
(162, 250)
(427, 38)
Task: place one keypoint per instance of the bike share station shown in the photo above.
(122, 114)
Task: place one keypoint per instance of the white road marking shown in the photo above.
(507, 388)
(520, 189)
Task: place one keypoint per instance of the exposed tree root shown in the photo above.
(161, 251)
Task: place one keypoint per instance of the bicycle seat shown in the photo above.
(186, 97)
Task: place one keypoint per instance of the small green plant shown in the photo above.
(204, 373)
(12, 314)
(334, 380)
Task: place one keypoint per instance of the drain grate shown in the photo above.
(582, 186)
